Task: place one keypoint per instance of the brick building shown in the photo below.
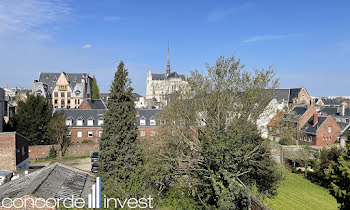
(84, 124)
(146, 121)
(291, 97)
(13, 151)
(320, 130)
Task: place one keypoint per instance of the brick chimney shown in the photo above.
(315, 120)
(137, 113)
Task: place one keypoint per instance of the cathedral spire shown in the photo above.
(168, 63)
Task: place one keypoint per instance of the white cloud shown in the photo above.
(28, 15)
(271, 37)
(86, 46)
(221, 13)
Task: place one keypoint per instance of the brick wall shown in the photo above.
(75, 150)
(322, 132)
(147, 130)
(306, 116)
(13, 150)
(85, 134)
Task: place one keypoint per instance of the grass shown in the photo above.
(63, 159)
(296, 192)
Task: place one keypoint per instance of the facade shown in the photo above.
(64, 90)
(2, 108)
(269, 112)
(291, 97)
(13, 151)
(147, 123)
(160, 86)
(320, 131)
(84, 124)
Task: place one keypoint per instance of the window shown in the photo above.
(56, 94)
(69, 134)
(80, 122)
(142, 121)
(90, 122)
(304, 138)
(153, 133)
(100, 122)
(68, 94)
(69, 122)
(99, 133)
(142, 133)
(62, 94)
(152, 121)
(79, 134)
(310, 138)
(62, 102)
(68, 101)
(323, 139)
(89, 133)
(326, 138)
(56, 101)
(330, 138)
(329, 129)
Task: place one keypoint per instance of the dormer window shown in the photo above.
(90, 122)
(100, 121)
(69, 122)
(152, 121)
(142, 121)
(77, 92)
(80, 121)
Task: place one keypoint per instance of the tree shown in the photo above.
(32, 119)
(95, 89)
(339, 175)
(119, 158)
(58, 131)
(213, 146)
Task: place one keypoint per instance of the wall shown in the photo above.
(7, 151)
(306, 116)
(75, 150)
(95, 134)
(322, 132)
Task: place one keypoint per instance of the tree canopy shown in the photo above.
(95, 89)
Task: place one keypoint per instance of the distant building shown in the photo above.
(147, 122)
(2, 108)
(291, 97)
(13, 151)
(64, 90)
(160, 86)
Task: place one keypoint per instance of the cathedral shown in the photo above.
(160, 86)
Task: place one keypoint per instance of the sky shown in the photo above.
(307, 42)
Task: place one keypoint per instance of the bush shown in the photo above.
(52, 153)
(87, 141)
(287, 141)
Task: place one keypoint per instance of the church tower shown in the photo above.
(168, 63)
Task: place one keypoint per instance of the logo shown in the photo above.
(94, 201)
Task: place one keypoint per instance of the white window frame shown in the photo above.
(69, 122)
(90, 133)
(90, 122)
(80, 122)
(79, 134)
(100, 121)
(142, 120)
(153, 132)
(99, 134)
(329, 129)
(152, 121)
(142, 133)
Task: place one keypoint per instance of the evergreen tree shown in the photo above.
(32, 119)
(339, 175)
(118, 148)
(95, 89)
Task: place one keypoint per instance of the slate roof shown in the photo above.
(50, 79)
(299, 110)
(334, 111)
(54, 181)
(286, 94)
(310, 128)
(328, 101)
(96, 103)
(165, 76)
(147, 114)
(85, 114)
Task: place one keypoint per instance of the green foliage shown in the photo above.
(57, 131)
(87, 141)
(119, 156)
(177, 198)
(339, 175)
(287, 141)
(32, 119)
(324, 159)
(296, 192)
(52, 153)
(95, 89)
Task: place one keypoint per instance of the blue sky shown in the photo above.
(308, 42)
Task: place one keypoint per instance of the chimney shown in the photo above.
(315, 120)
(137, 113)
(342, 112)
